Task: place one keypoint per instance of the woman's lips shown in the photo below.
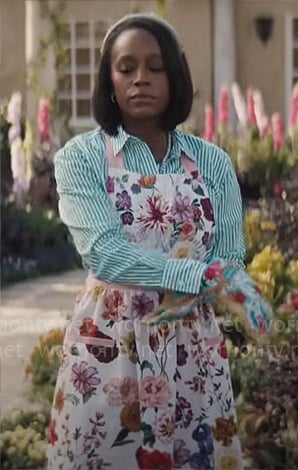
(142, 97)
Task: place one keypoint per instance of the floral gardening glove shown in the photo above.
(238, 295)
(225, 284)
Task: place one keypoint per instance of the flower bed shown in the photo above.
(34, 240)
(23, 439)
(23, 434)
(262, 152)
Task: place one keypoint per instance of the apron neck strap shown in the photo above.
(188, 164)
(117, 161)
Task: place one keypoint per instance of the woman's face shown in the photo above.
(140, 82)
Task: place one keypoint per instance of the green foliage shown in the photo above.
(45, 358)
(44, 364)
(34, 243)
(256, 161)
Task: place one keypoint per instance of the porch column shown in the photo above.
(32, 21)
(37, 28)
(224, 47)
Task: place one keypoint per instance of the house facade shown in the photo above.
(253, 42)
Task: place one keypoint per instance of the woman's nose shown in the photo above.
(141, 76)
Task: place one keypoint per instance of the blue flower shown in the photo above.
(202, 434)
(135, 188)
(199, 461)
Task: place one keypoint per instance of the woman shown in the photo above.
(149, 208)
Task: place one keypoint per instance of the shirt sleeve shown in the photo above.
(86, 209)
(229, 239)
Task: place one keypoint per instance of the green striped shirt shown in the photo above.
(85, 207)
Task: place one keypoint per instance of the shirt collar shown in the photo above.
(179, 146)
(119, 140)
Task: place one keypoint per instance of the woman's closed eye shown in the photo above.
(126, 70)
(155, 66)
(152, 68)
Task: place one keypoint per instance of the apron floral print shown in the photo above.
(133, 396)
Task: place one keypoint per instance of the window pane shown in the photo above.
(83, 57)
(295, 58)
(82, 31)
(83, 108)
(83, 82)
(64, 83)
(296, 28)
(65, 107)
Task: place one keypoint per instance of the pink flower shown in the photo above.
(156, 216)
(110, 184)
(291, 304)
(293, 296)
(278, 131)
(223, 109)
(44, 120)
(114, 306)
(182, 208)
(222, 350)
(83, 378)
(188, 230)
(251, 108)
(278, 188)
(154, 392)
(112, 390)
(266, 127)
(52, 435)
(209, 124)
(293, 118)
(164, 428)
(214, 271)
(237, 297)
(129, 390)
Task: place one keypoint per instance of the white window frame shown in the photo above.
(290, 72)
(72, 70)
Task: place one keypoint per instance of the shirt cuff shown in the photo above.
(183, 275)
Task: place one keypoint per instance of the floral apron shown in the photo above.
(132, 396)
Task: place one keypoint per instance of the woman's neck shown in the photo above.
(153, 136)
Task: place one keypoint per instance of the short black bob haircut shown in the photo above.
(106, 112)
